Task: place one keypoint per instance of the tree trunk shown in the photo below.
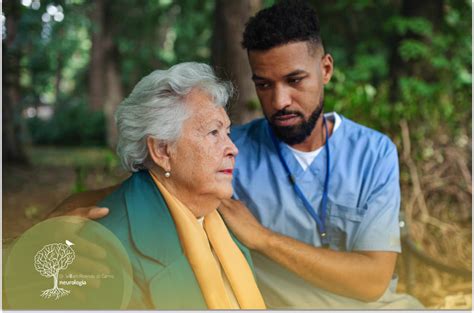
(113, 96)
(13, 149)
(97, 56)
(230, 59)
(105, 85)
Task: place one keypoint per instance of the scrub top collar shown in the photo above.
(318, 166)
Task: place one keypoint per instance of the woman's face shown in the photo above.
(202, 160)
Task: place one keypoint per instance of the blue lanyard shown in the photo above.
(320, 219)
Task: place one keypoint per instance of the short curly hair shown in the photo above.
(285, 22)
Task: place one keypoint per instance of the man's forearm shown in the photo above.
(361, 275)
(82, 200)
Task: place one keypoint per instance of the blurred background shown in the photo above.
(402, 67)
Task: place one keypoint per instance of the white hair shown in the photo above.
(157, 107)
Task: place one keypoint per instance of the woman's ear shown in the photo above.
(159, 153)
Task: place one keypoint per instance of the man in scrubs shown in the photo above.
(323, 191)
(317, 195)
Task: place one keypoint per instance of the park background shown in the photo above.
(402, 67)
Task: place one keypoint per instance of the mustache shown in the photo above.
(286, 112)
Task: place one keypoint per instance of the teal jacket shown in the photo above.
(139, 217)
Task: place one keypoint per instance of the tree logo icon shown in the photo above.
(49, 261)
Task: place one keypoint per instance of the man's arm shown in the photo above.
(84, 204)
(363, 275)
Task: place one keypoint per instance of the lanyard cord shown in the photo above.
(320, 220)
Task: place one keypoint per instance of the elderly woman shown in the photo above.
(173, 136)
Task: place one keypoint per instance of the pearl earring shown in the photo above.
(167, 174)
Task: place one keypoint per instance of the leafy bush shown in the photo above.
(72, 125)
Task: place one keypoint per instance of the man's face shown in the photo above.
(289, 80)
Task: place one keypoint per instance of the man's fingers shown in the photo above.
(91, 212)
(224, 210)
(223, 207)
(231, 207)
(96, 213)
(79, 212)
(229, 202)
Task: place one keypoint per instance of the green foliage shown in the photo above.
(429, 85)
(158, 34)
(389, 64)
(52, 50)
(194, 30)
(403, 25)
(91, 157)
(55, 57)
(253, 105)
(73, 125)
(413, 50)
(111, 161)
(80, 182)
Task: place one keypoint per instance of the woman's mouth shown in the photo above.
(227, 171)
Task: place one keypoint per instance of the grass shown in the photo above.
(91, 157)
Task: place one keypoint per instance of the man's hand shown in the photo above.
(90, 212)
(89, 256)
(243, 224)
(84, 204)
(362, 275)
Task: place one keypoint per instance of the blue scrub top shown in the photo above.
(363, 203)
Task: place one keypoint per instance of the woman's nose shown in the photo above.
(231, 149)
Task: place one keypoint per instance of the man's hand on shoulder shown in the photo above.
(336, 271)
(90, 212)
(84, 204)
(243, 224)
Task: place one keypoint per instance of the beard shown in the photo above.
(292, 135)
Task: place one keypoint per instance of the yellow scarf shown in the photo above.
(199, 254)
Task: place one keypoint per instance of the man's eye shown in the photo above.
(214, 132)
(262, 85)
(294, 80)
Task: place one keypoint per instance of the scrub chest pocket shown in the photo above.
(342, 225)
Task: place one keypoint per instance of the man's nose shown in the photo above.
(281, 98)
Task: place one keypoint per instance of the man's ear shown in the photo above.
(159, 153)
(327, 67)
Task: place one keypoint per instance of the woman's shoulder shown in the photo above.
(116, 221)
